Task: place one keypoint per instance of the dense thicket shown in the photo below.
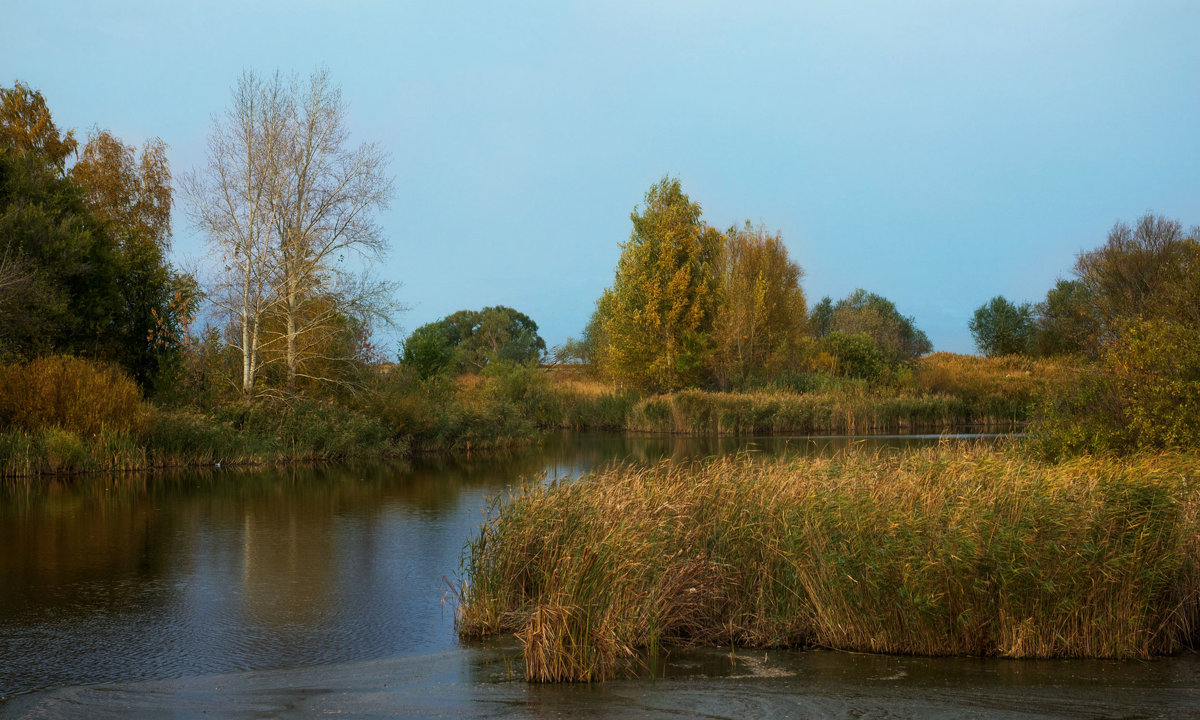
(83, 266)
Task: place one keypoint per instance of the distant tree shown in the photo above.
(656, 318)
(1065, 322)
(855, 355)
(472, 340)
(762, 316)
(1137, 273)
(866, 313)
(820, 320)
(1001, 328)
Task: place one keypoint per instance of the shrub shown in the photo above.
(79, 395)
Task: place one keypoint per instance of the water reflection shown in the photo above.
(140, 577)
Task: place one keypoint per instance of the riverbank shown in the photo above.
(68, 416)
(945, 551)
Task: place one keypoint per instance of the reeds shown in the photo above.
(697, 412)
(937, 551)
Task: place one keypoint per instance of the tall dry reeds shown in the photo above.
(938, 551)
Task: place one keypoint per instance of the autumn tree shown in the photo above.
(84, 251)
(324, 197)
(285, 201)
(658, 314)
(762, 316)
(231, 203)
(132, 196)
(1138, 273)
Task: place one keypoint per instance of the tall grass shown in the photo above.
(938, 551)
(698, 412)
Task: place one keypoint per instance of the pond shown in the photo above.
(304, 591)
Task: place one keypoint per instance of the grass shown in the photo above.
(698, 412)
(941, 551)
(265, 434)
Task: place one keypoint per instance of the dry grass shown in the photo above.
(939, 551)
(1000, 387)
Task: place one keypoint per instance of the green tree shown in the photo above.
(1065, 322)
(820, 320)
(875, 316)
(762, 316)
(473, 340)
(657, 317)
(1001, 328)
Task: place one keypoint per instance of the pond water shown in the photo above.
(304, 591)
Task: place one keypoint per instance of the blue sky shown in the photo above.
(937, 153)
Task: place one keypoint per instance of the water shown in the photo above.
(301, 591)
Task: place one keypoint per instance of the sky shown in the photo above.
(936, 153)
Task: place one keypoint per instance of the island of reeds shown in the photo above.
(941, 551)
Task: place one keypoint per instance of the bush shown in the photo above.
(79, 395)
(856, 355)
(1145, 393)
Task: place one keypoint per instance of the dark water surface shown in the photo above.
(308, 591)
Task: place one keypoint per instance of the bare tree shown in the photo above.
(231, 202)
(283, 201)
(324, 199)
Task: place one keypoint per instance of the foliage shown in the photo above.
(1004, 388)
(866, 313)
(84, 252)
(855, 355)
(820, 320)
(760, 322)
(1065, 323)
(656, 317)
(27, 127)
(76, 395)
(1143, 271)
(1145, 393)
(947, 550)
(1001, 328)
(470, 340)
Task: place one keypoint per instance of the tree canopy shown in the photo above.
(1001, 328)
(471, 340)
(82, 252)
(656, 318)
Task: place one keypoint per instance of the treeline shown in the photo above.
(1130, 317)
(694, 307)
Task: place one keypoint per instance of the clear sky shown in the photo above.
(937, 153)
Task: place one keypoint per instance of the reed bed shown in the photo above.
(696, 412)
(939, 551)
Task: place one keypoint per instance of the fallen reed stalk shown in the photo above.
(941, 551)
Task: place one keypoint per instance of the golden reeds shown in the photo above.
(937, 551)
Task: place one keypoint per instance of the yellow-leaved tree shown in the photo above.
(656, 320)
(762, 319)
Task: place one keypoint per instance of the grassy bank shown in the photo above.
(265, 434)
(939, 551)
